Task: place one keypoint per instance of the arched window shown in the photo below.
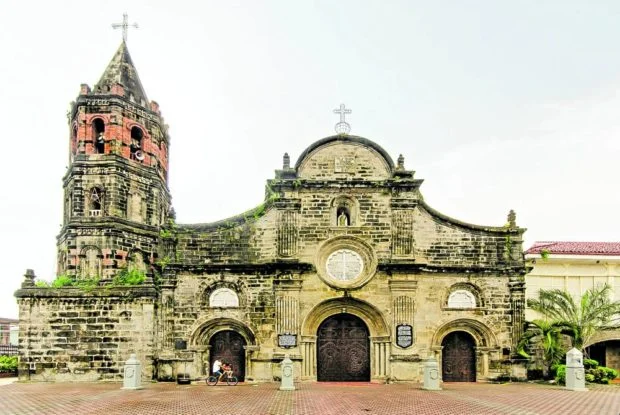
(461, 299)
(99, 135)
(95, 202)
(223, 297)
(135, 148)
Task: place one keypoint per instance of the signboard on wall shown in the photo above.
(404, 335)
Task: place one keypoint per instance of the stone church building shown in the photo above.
(343, 266)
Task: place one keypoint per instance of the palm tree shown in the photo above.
(580, 319)
(548, 336)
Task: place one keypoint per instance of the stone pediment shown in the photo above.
(344, 157)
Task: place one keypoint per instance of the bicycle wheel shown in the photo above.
(212, 380)
(232, 380)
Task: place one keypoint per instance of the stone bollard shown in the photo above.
(431, 375)
(287, 374)
(575, 373)
(133, 373)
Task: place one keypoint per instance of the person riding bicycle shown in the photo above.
(227, 369)
(217, 368)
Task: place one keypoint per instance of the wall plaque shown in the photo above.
(404, 335)
(287, 340)
(344, 165)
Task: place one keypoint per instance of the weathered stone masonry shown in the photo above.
(343, 265)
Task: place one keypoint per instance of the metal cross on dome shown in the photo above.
(342, 127)
(125, 25)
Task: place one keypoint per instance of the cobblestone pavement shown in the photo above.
(309, 398)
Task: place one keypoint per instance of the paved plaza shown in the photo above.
(309, 398)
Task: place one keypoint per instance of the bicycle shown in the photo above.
(231, 380)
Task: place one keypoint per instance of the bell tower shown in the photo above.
(116, 195)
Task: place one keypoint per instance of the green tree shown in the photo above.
(546, 335)
(580, 319)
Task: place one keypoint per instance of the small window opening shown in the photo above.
(343, 216)
(95, 204)
(135, 147)
(99, 135)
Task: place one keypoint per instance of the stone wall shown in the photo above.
(67, 334)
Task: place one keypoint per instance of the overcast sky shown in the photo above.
(497, 105)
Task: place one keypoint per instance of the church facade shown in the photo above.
(344, 266)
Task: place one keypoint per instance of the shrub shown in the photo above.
(62, 281)
(58, 282)
(8, 363)
(601, 374)
(129, 277)
(611, 373)
(560, 374)
(598, 374)
(87, 284)
(590, 363)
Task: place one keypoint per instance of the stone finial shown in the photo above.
(28, 279)
(286, 161)
(172, 213)
(401, 163)
(512, 219)
(84, 89)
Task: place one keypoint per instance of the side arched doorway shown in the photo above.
(343, 349)
(606, 353)
(227, 346)
(458, 357)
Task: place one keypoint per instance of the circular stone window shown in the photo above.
(344, 265)
(346, 262)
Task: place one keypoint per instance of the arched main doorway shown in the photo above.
(343, 349)
(458, 357)
(227, 346)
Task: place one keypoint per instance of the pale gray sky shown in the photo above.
(498, 105)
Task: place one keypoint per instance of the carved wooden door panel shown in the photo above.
(458, 357)
(343, 350)
(227, 346)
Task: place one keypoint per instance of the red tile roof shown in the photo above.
(576, 248)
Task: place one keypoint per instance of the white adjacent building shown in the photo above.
(577, 267)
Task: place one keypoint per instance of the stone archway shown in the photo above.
(226, 339)
(343, 349)
(471, 336)
(228, 346)
(371, 318)
(458, 363)
(604, 347)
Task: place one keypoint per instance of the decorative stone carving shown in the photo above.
(287, 233)
(402, 232)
